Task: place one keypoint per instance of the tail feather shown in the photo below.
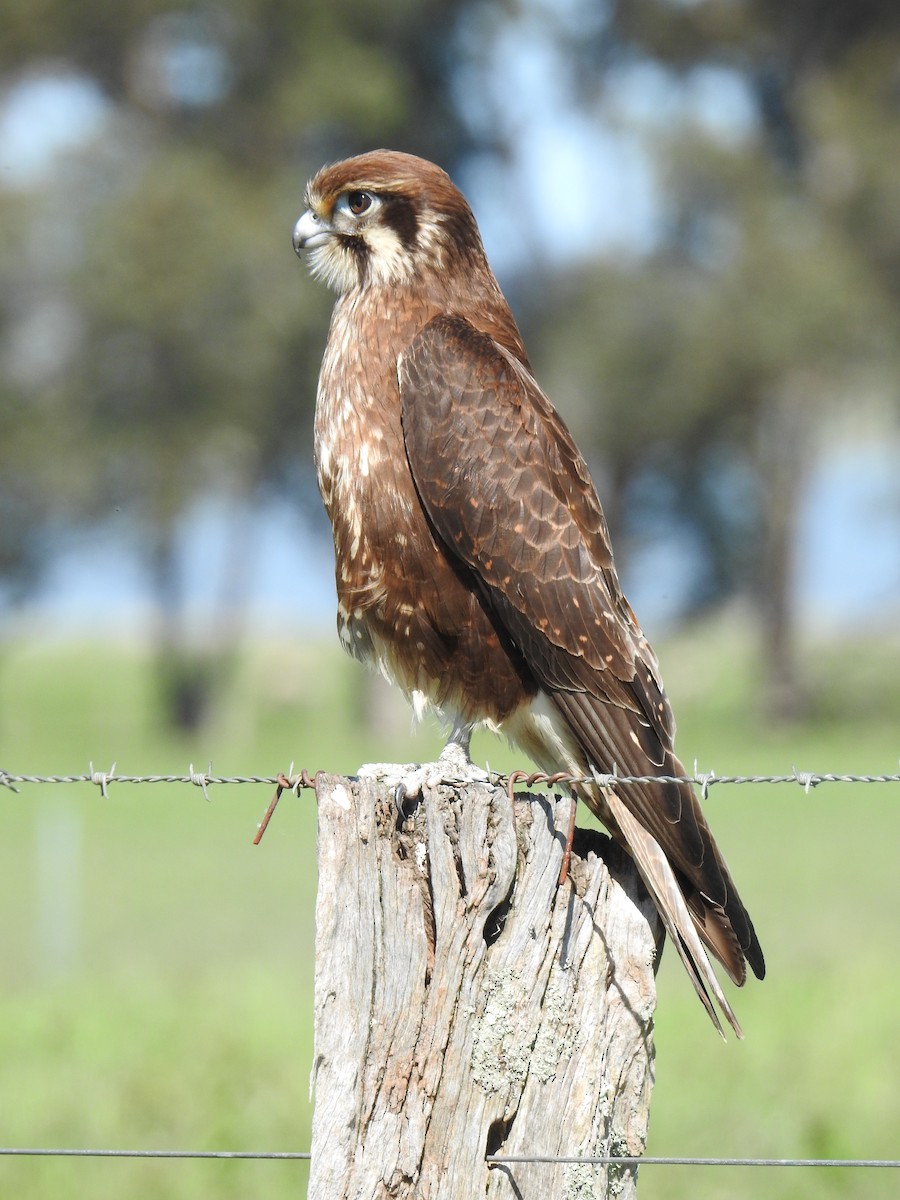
(678, 861)
(660, 881)
(716, 930)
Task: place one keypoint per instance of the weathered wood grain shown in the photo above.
(466, 1004)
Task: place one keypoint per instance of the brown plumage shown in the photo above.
(473, 561)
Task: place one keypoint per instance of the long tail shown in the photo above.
(662, 885)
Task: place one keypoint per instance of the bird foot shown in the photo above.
(457, 767)
(408, 779)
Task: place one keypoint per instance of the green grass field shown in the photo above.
(157, 967)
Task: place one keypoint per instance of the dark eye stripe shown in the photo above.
(400, 215)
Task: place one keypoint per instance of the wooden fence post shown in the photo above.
(466, 1004)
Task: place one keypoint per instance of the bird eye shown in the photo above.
(358, 202)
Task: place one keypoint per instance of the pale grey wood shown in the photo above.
(465, 1003)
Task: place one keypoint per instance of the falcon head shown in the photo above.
(385, 218)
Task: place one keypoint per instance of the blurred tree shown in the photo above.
(191, 353)
(41, 477)
(731, 361)
(769, 296)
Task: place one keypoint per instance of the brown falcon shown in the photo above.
(473, 561)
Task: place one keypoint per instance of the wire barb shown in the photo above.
(101, 778)
(703, 781)
(5, 781)
(806, 779)
(200, 779)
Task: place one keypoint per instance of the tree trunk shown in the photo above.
(467, 1005)
(783, 458)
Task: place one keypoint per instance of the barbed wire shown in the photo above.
(103, 779)
(294, 781)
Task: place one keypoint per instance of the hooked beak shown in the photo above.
(309, 232)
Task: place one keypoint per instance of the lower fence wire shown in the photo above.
(40, 1152)
(492, 1160)
(656, 1160)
